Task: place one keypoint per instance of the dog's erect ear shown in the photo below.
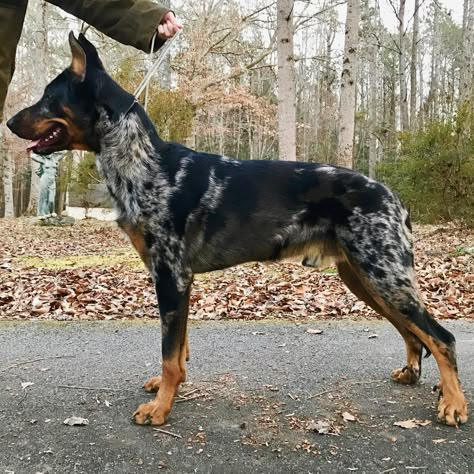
(79, 61)
(108, 93)
(92, 56)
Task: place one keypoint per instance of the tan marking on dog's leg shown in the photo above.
(356, 283)
(136, 236)
(173, 373)
(409, 374)
(153, 384)
(452, 407)
(174, 342)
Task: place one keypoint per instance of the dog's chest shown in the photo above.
(126, 161)
(128, 188)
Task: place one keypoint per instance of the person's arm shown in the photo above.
(131, 22)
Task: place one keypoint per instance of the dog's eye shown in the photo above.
(49, 99)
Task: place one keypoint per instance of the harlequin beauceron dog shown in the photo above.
(187, 212)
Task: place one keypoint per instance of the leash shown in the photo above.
(144, 85)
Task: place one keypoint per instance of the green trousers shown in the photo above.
(12, 15)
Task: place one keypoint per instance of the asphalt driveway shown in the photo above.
(260, 397)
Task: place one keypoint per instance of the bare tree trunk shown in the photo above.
(433, 101)
(413, 66)
(347, 101)
(7, 175)
(250, 136)
(286, 81)
(402, 67)
(466, 80)
(239, 133)
(421, 85)
(303, 99)
(221, 130)
(373, 118)
(41, 76)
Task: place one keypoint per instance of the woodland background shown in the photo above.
(384, 86)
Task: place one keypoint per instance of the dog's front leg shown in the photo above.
(173, 301)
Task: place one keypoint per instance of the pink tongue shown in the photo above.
(33, 144)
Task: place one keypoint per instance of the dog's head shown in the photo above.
(65, 117)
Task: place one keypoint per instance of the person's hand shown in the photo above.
(168, 26)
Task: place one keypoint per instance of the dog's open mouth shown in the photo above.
(53, 136)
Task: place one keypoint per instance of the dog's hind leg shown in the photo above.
(173, 303)
(389, 280)
(452, 407)
(410, 373)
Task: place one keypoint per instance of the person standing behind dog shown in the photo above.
(131, 22)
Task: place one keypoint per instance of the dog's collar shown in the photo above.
(135, 101)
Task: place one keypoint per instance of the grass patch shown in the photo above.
(462, 251)
(131, 260)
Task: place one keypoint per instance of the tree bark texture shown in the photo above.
(286, 81)
(348, 87)
(413, 65)
(7, 166)
(402, 65)
(42, 52)
(466, 79)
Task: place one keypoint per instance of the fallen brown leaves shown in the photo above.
(410, 424)
(87, 293)
(250, 291)
(19, 238)
(445, 270)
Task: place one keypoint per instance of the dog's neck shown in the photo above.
(129, 157)
(129, 143)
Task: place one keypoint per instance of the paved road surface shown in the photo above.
(246, 408)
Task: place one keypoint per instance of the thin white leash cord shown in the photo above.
(144, 85)
(147, 89)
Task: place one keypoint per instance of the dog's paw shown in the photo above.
(406, 375)
(149, 413)
(153, 384)
(452, 408)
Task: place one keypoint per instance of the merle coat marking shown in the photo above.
(188, 212)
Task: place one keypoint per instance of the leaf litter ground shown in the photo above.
(89, 271)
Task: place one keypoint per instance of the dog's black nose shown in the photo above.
(11, 123)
